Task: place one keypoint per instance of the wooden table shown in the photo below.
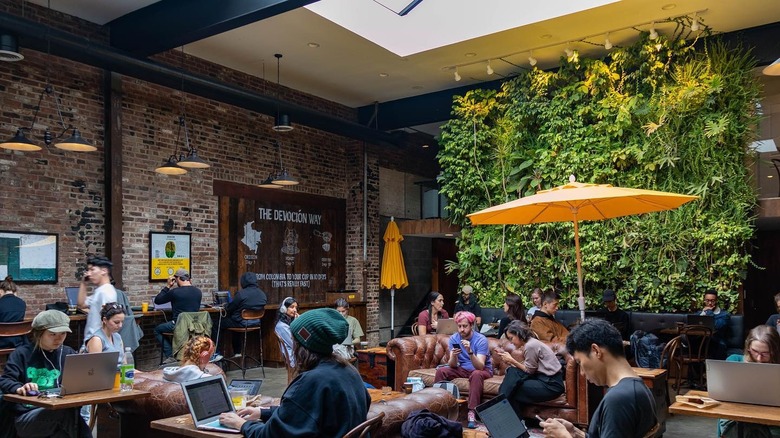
(183, 426)
(377, 396)
(741, 412)
(375, 368)
(76, 400)
(656, 379)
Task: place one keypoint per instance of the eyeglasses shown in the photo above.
(760, 353)
(710, 301)
(116, 306)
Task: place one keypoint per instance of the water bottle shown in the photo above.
(127, 371)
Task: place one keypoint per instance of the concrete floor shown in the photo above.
(677, 426)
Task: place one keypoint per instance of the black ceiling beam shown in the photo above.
(167, 24)
(37, 37)
(764, 41)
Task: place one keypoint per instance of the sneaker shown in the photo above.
(235, 356)
(216, 357)
(472, 420)
(169, 360)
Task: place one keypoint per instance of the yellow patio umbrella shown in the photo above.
(574, 202)
(393, 275)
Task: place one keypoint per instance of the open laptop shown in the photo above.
(207, 398)
(744, 382)
(88, 372)
(446, 326)
(500, 419)
(252, 387)
(222, 298)
(703, 320)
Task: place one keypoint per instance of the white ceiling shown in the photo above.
(347, 68)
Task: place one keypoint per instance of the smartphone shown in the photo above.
(454, 345)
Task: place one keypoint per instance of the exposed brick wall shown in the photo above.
(63, 192)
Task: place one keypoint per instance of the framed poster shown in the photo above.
(29, 257)
(167, 253)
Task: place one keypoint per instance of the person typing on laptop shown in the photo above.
(250, 297)
(38, 367)
(628, 408)
(184, 297)
(327, 396)
(762, 345)
(428, 319)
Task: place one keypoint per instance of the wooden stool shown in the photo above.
(248, 315)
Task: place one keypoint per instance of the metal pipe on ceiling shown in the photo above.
(35, 36)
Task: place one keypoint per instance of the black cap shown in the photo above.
(609, 295)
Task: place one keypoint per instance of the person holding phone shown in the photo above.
(99, 274)
(469, 358)
(538, 377)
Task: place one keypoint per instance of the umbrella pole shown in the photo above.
(581, 299)
(392, 313)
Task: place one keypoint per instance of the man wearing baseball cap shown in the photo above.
(468, 303)
(38, 367)
(617, 317)
(184, 297)
(327, 396)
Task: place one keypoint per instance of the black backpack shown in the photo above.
(647, 349)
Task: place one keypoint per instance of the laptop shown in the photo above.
(72, 294)
(704, 320)
(500, 419)
(744, 382)
(222, 298)
(89, 372)
(252, 387)
(207, 398)
(446, 326)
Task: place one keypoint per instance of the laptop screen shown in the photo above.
(208, 398)
(500, 419)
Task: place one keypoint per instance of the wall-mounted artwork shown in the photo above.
(29, 257)
(167, 253)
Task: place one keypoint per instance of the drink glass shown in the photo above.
(386, 390)
(144, 306)
(72, 309)
(238, 397)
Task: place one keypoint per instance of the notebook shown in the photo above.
(207, 398)
(744, 382)
(446, 326)
(704, 320)
(500, 419)
(88, 372)
(252, 387)
(72, 294)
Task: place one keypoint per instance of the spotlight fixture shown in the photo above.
(281, 121)
(457, 75)
(531, 59)
(653, 32)
(489, 68)
(695, 23)
(607, 43)
(9, 48)
(772, 69)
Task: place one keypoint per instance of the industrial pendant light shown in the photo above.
(283, 178)
(9, 48)
(281, 121)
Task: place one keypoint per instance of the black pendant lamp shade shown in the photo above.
(75, 143)
(9, 48)
(282, 123)
(20, 142)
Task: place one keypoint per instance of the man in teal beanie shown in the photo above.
(326, 397)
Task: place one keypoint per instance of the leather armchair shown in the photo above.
(436, 400)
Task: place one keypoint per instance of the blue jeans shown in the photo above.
(166, 327)
(40, 422)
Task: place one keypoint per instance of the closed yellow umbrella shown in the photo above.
(393, 275)
(575, 201)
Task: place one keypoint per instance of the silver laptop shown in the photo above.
(744, 382)
(207, 398)
(500, 419)
(89, 372)
(446, 326)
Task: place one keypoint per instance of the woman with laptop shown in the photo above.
(538, 378)
(428, 319)
(762, 345)
(112, 317)
(38, 367)
(327, 396)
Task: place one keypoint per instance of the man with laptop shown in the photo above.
(99, 274)
(718, 345)
(250, 297)
(628, 408)
(184, 297)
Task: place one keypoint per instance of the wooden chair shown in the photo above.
(365, 428)
(286, 357)
(12, 329)
(248, 315)
(415, 329)
(691, 352)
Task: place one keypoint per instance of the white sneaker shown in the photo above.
(215, 358)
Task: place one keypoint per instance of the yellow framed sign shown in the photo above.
(167, 253)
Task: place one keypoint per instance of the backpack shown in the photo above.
(449, 386)
(647, 349)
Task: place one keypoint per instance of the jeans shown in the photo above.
(40, 422)
(166, 327)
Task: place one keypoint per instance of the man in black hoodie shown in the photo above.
(249, 297)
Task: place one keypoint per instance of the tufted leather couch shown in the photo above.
(436, 400)
(166, 400)
(418, 356)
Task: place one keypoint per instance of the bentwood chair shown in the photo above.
(691, 353)
(365, 428)
(248, 315)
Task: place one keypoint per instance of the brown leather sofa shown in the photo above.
(436, 400)
(420, 355)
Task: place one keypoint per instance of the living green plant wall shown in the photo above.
(658, 115)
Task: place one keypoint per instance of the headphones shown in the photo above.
(285, 303)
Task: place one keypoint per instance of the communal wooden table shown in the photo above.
(740, 412)
(76, 400)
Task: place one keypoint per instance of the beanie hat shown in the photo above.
(319, 329)
(53, 321)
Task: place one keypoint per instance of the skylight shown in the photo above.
(437, 23)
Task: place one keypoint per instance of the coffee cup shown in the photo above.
(144, 306)
(408, 386)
